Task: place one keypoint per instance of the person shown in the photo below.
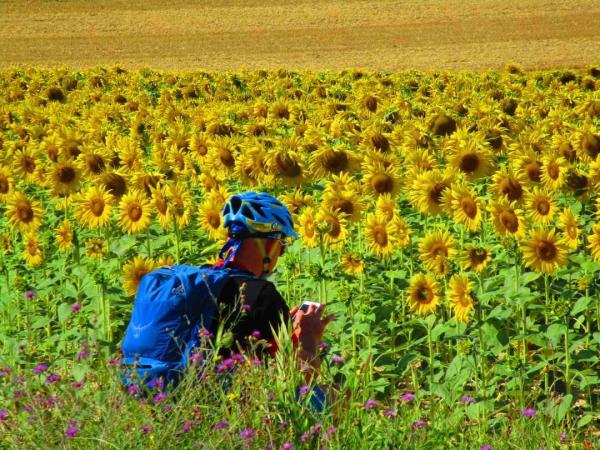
(258, 228)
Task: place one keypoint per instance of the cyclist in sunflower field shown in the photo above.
(258, 225)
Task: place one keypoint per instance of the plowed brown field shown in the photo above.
(303, 34)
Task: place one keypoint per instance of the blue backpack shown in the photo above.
(171, 307)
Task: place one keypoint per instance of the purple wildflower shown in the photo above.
(222, 425)
(331, 431)
(75, 307)
(72, 429)
(133, 389)
(529, 412)
(238, 357)
(486, 447)
(304, 390)
(146, 429)
(271, 395)
(3, 414)
(466, 400)
(4, 372)
(205, 333)
(408, 397)
(247, 434)
(77, 384)
(256, 334)
(304, 437)
(187, 426)
(30, 294)
(114, 362)
(18, 393)
(157, 383)
(370, 404)
(82, 354)
(287, 446)
(246, 308)
(197, 358)
(418, 424)
(256, 362)
(336, 359)
(40, 368)
(315, 429)
(323, 345)
(159, 397)
(52, 378)
(563, 436)
(389, 413)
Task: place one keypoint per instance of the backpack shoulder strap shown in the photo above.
(253, 286)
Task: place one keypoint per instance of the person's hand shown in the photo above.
(308, 327)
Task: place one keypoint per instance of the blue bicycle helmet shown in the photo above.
(253, 213)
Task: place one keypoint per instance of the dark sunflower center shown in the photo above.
(214, 221)
(288, 166)
(382, 183)
(435, 194)
(66, 174)
(4, 185)
(381, 236)
(97, 206)
(509, 220)
(335, 228)
(469, 207)
(542, 206)
(344, 205)
(423, 294)
(134, 212)
(115, 184)
(226, 157)
(512, 189)
(335, 161)
(546, 250)
(28, 164)
(469, 163)
(94, 163)
(24, 212)
(380, 142)
(477, 256)
(533, 171)
(553, 170)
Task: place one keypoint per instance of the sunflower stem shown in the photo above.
(430, 344)
(177, 239)
(546, 320)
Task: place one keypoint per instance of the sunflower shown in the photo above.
(93, 207)
(307, 228)
(401, 231)
(32, 251)
(24, 213)
(134, 212)
(540, 206)
(568, 224)
(64, 236)
(165, 261)
(475, 258)
(331, 225)
(133, 272)
(329, 160)
(504, 183)
(373, 139)
(470, 154)
(435, 249)
(508, 219)
(352, 264)
(94, 161)
(6, 243)
(427, 191)
(386, 205)
(211, 220)
(286, 164)
(160, 202)
(528, 167)
(380, 180)
(115, 183)
(348, 202)
(180, 204)
(64, 177)
(594, 241)
(423, 294)
(296, 201)
(26, 165)
(6, 183)
(460, 297)
(543, 251)
(379, 234)
(554, 172)
(464, 204)
(251, 164)
(96, 248)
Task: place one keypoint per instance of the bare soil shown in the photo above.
(301, 34)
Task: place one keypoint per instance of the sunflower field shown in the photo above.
(450, 220)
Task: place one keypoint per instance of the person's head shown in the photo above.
(258, 225)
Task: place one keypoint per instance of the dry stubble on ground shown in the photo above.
(302, 34)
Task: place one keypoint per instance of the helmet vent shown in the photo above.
(235, 202)
(247, 213)
(257, 208)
